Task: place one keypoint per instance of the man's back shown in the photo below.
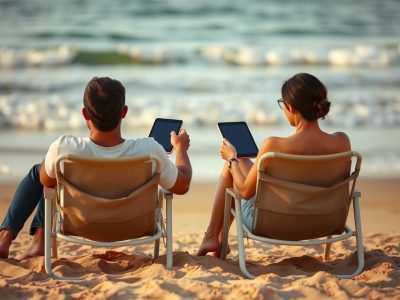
(84, 146)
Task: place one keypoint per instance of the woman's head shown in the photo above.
(307, 95)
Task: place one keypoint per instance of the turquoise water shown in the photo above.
(203, 62)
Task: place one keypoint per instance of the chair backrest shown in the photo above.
(304, 196)
(108, 199)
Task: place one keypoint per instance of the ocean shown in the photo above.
(203, 62)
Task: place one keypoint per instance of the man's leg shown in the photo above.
(27, 196)
(6, 236)
(36, 248)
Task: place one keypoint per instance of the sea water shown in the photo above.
(203, 62)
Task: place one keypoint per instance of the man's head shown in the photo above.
(104, 102)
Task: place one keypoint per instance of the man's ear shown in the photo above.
(85, 114)
(124, 111)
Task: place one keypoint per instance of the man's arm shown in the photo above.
(45, 179)
(181, 143)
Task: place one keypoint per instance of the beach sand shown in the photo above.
(284, 272)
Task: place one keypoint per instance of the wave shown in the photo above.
(89, 35)
(189, 9)
(360, 55)
(56, 113)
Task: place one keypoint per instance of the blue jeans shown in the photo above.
(29, 194)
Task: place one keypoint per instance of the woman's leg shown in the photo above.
(212, 238)
(210, 242)
(27, 196)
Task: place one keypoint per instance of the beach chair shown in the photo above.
(300, 200)
(107, 203)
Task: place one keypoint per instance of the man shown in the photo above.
(103, 111)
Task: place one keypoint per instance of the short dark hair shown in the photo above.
(308, 95)
(104, 100)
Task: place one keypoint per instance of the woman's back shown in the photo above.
(312, 142)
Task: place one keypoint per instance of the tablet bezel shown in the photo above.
(157, 121)
(242, 123)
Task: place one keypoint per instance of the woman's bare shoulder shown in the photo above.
(272, 143)
(343, 141)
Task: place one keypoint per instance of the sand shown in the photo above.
(284, 272)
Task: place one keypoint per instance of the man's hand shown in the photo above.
(180, 141)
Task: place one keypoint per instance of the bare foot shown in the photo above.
(209, 244)
(6, 238)
(36, 248)
(218, 252)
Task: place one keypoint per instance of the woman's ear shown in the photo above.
(290, 108)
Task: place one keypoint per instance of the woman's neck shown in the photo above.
(303, 125)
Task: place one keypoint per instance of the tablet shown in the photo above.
(161, 131)
(239, 135)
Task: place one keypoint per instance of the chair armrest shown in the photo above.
(165, 192)
(167, 195)
(49, 192)
(233, 193)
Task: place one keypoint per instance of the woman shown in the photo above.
(304, 101)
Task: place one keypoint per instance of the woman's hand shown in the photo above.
(227, 150)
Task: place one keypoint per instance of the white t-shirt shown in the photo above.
(69, 144)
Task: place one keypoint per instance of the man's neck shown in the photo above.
(106, 139)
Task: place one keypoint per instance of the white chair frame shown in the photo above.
(244, 232)
(53, 217)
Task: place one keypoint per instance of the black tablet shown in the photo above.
(161, 131)
(239, 135)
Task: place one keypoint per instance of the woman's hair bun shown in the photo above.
(321, 108)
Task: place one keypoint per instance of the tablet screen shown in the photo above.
(161, 131)
(239, 135)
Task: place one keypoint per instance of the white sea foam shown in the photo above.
(4, 170)
(152, 55)
(53, 57)
(359, 55)
(55, 113)
(10, 58)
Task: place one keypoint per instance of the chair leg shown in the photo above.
(156, 248)
(54, 231)
(169, 232)
(359, 240)
(54, 247)
(47, 236)
(159, 221)
(239, 229)
(327, 249)
(225, 226)
(48, 239)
